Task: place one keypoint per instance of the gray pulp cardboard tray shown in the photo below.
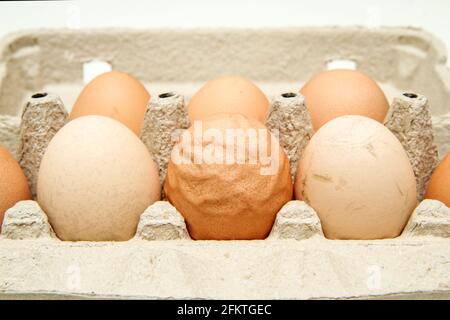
(296, 261)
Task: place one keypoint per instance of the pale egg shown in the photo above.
(95, 180)
(358, 178)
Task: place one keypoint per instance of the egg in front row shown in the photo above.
(358, 178)
(340, 92)
(226, 189)
(13, 183)
(95, 180)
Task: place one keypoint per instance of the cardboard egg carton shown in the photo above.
(296, 260)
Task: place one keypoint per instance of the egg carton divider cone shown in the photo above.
(43, 115)
(161, 261)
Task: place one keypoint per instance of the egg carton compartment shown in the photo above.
(161, 261)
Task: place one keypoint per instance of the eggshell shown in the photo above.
(13, 183)
(116, 95)
(95, 180)
(234, 200)
(439, 184)
(335, 93)
(357, 176)
(229, 94)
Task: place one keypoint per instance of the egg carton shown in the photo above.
(161, 261)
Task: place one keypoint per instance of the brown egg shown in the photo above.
(221, 186)
(439, 184)
(358, 178)
(336, 93)
(229, 94)
(95, 180)
(116, 95)
(13, 183)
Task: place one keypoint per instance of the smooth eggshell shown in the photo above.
(439, 184)
(229, 94)
(222, 201)
(356, 175)
(95, 180)
(116, 95)
(335, 93)
(13, 183)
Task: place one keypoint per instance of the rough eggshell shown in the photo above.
(222, 201)
(229, 94)
(13, 183)
(357, 176)
(335, 93)
(439, 184)
(114, 94)
(95, 180)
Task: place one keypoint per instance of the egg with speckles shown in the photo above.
(358, 178)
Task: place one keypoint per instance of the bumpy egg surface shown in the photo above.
(223, 190)
(229, 94)
(13, 183)
(95, 180)
(356, 175)
(114, 94)
(336, 93)
(439, 184)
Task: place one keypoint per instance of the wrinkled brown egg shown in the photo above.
(229, 94)
(336, 93)
(13, 183)
(114, 94)
(357, 176)
(223, 190)
(95, 180)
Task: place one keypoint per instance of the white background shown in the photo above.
(432, 15)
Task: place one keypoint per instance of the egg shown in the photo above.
(356, 175)
(439, 184)
(335, 93)
(114, 94)
(228, 177)
(229, 94)
(13, 183)
(95, 180)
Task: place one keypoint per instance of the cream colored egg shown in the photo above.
(96, 179)
(357, 176)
